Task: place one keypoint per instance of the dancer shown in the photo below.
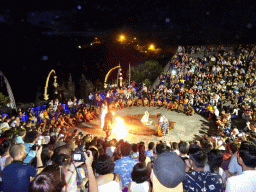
(163, 125)
(108, 123)
(104, 110)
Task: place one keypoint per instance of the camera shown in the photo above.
(78, 156)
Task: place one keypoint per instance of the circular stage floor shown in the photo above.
(186, 128)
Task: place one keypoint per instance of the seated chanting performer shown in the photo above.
(146, 102)
(180, 108)
(190, 110)
(152, 103)
(134, 102)
(170, 104)
(174, 106)
(129, 102)
(165, 103)
(139, 102)
(159, 103)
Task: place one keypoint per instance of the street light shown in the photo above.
(151, 47)
(122, 38)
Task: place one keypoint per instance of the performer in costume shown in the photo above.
(163, 125)
(145, 119)
(104, 110)
(108, 123)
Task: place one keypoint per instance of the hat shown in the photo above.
(169, 169)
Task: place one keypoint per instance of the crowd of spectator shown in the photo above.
(38, 155)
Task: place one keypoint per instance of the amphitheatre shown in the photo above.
(186, 128)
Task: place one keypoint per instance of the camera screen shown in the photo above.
(77, 157)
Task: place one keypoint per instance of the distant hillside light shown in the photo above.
(45, 58)
(167, 20)
(249, 25)
(79, 7)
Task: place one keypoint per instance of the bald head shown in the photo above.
(18, 151)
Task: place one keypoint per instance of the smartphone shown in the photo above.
(39, 142)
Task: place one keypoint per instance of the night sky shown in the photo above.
(32, 29)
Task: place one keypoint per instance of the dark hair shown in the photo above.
(62, 159)
(247, 152)
(95, 154)
(140, 173)
(234, 146)
(45, 155)
(51, 179)
(31, 136)
(142, 153)
(160, 148)
(104, 164)
(183, 147)
(215, 158)
(198, 156)
(8, 134)
(174, 145)
(125, 149)
(5, 146)
(61, 150)
(134, 147)
(151, 145)
(21, 132)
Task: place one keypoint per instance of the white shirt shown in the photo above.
(234, 167)
(70, 103)
(139, 187)
(246, 182)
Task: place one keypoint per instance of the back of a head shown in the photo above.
(126, 149)
(198, 156)
(15, 150)
(215, 158)
(183, 147)
(8, 134)
(5, 146)
(233, 147)
(21, 132)
(51, 179)
(151, 146)
(62, 159)
(174, 145)
(142, 153)
(135, 147)
(31, 136)
(247, 152)
(160, 148)
(104, 164)
(61, 150)
(140, 173)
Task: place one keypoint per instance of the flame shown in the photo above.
(119, 131)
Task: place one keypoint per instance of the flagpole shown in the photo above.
(118, 75)
(129, 74)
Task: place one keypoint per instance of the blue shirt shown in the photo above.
(30, 153)
(19, 140)
(16, 177)
(124, 168)
(202, 181)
